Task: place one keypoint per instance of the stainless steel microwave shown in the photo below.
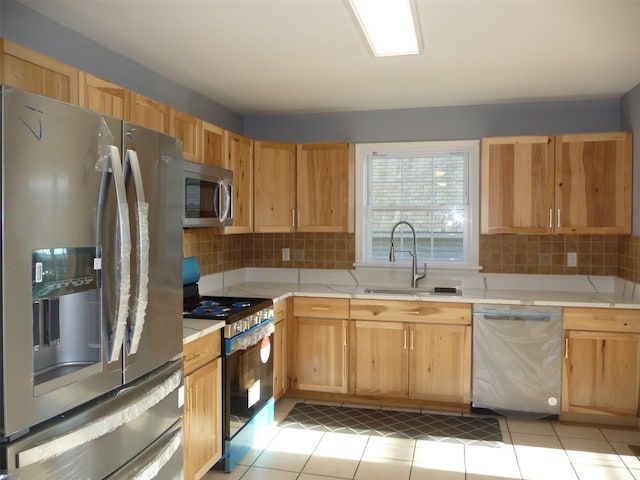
(208, 196)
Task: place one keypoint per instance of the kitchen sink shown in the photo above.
(443, 291)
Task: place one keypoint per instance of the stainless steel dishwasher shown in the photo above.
(517, 359)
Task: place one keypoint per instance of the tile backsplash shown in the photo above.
(613, 255)
(547, 254)
(217, 252)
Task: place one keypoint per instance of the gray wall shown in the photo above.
(441, 123)
(630, 120)
(27, 27)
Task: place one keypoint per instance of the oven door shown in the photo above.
(248, 376)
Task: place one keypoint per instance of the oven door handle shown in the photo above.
(249, 338)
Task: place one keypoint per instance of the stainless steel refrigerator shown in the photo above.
(91, 261)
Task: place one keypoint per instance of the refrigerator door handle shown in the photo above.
(142, 289)
(155, 466)
(124, 233)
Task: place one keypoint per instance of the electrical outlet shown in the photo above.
(286, 255)
(572, 259)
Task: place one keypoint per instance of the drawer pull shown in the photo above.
(320, 308)
(566, 347)
(413, 312)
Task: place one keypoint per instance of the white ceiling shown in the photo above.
(302, 56)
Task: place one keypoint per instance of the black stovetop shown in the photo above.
(229, 309)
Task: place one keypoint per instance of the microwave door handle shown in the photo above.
(124, 257)
(142, 255)
(226, 196)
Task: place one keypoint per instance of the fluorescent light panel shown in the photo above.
(388, 26)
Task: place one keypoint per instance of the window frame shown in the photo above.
(472, 240)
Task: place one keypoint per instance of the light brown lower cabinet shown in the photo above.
(416, 350)
(318, 340)
(601, 369)
(202, 405)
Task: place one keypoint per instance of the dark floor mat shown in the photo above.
(397, 424)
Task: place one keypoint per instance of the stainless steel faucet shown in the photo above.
(415, 276)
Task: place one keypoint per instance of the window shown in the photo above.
(431, 185)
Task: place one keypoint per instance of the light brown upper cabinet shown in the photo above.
(31, 71)
(149, 113)
(517, 184)
(239, 159)
(593, 183)
(579, 184)
(303, 188)
(188, 129)
(325, 196)
(103, 97)
(274, 187)
(213, 144)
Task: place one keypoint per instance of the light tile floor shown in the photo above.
(532, 450)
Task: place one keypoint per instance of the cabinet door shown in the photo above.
(103, 97)
(601, 373)
(148, 113)
(593, 183)
(188, 129)
(240, 160)
(380, 358)
(440, 363)
(281, 311)
(279, 360)
(324, 186)
(275, 187)
(37, 73)
(517, 185)
(202, 419)
(319, 355)
(213, 145)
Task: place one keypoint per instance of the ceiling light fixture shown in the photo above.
(388, 25)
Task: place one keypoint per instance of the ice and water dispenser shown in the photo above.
(67, 331)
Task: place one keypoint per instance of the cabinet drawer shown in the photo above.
(601, 319)
(201, 351)
(408, 311)
(313, 307)
(280, 311)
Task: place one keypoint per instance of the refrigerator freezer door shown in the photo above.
(97, 441)
(54, 168)
(162, 460)
(155, 325)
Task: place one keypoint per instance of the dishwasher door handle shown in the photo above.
(544, 317)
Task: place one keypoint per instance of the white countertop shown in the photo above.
(555, 290)
(471, 295)
(193, 328)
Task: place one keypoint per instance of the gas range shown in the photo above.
(239, 313)
(247, 365)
